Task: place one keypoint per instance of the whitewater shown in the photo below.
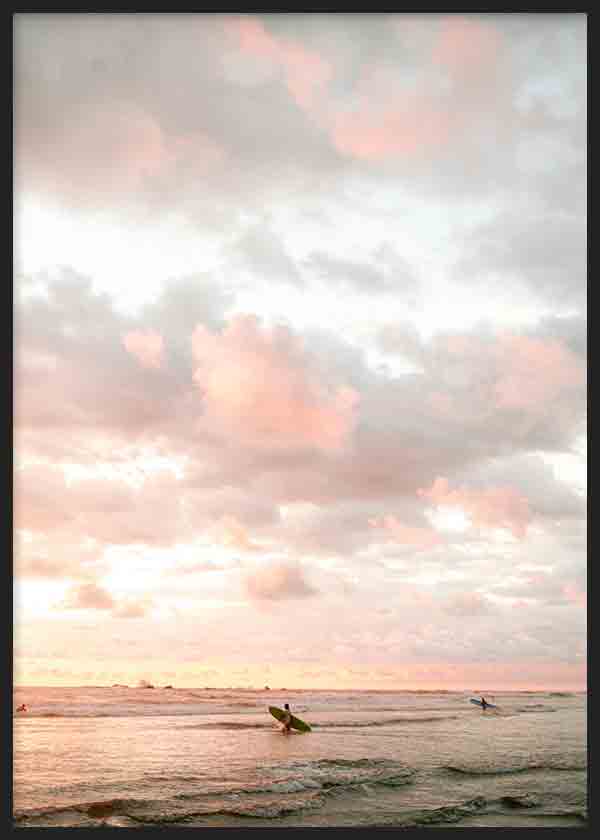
(136, 757)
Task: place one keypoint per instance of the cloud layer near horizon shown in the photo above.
(322, 415)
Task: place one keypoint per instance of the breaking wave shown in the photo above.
(305, 785)
(503, 771)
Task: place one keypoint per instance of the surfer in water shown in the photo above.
(484, 703)
(287, 720)
(22, 708)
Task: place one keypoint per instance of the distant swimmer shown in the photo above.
(22, 708)
(287, 719)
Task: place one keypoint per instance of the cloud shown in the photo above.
(305, 71)
(272, 417)
(108, 511)
(56, 554)
(258, 387)
(88, 596)
(131, 609)
(235, 111)
(278, 582)
(147, 347)
(70, 351)
(468, 48)
(384, 271)
(229, 532)
(110, 116)
(543, 251)
(300, 168)
(562, 585)
(535, 373)
(548, 497)
(467, 604)
(496, 507)
(420, 538)
(402, 339)
(40, 498)
(575, 595)
(363, 276)
(259, 250)
(413, 129)
(571, 331)
(91, 596)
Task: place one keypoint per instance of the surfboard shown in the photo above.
(479, 703)
(295, 723)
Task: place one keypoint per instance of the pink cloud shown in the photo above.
(533, 372)
(39, 498)
(56, 554)
(131, 609)
(515, 380)
(88, 596)
(109, 510)
(279, 581)
(379, 126)
(420, 538)
(467, 48)
(147, 347)
(197, 152)
(411, 127)
(104, 147)
(497, 507)
(260, 389)
(305, 71)
(228, 531)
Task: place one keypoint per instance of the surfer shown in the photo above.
(22, 708)
(287, 720)
(484, 703)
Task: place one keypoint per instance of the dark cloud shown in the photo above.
(260, 251)
(362, 277)
(547, 253)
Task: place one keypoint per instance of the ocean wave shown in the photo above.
(251, 809)
(451, 814)
(359, 724)
(284, 797)
(174, 710)
(292, 787)
(503, 771)
(96, 809)
(231, 725)
(269, 724)
(525, 800)
(535, 707)
(322, 776)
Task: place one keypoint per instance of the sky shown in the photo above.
(300, 350)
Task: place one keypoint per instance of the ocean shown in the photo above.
(135, 757)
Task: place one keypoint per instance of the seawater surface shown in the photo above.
(211, 757)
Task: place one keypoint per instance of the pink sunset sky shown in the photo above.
(300, 350)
